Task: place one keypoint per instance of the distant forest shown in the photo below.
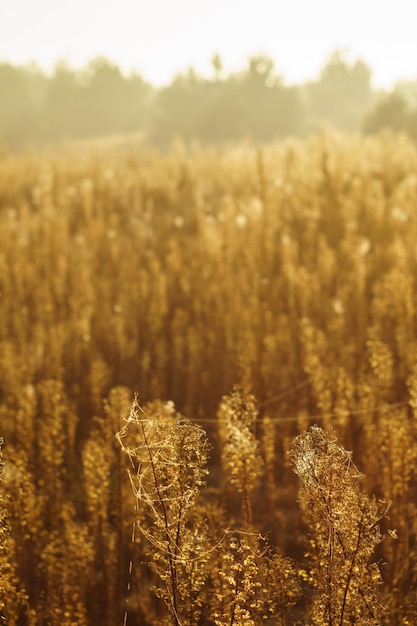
(37, 109)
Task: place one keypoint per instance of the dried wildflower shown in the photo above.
(241, 456)
(344, 531)
(168, 456)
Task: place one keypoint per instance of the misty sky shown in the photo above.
(162, 37)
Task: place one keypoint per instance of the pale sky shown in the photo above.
(162, 37)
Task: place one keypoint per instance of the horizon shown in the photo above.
(159, 43)
(204, 69)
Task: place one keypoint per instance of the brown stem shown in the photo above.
(350, 575)
(172, 570)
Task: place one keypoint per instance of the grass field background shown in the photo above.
(289, 270)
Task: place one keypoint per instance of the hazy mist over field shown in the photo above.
(208, 313)
(161, 38)
(210, 72)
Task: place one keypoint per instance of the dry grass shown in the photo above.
(290, 271)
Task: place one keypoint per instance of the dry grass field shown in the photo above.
(262, 303)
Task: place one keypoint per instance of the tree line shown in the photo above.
(256, 103)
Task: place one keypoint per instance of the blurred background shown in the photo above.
(180, 270)
(208, 71)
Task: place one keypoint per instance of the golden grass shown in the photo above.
(290, 270)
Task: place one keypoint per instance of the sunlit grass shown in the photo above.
(289, 271)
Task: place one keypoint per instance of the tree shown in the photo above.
(252, 103)
(342, 93)
(23, 93)
(64, 103)
(390, 112)
(96, 101)
(112, 103)
(217, 65)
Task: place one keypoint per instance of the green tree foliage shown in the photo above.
(252, 103)
(99, 100)
(342, 94)
(408, 89)
(64, 102)
(392, 112)
(22, 104)
(112, 102)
